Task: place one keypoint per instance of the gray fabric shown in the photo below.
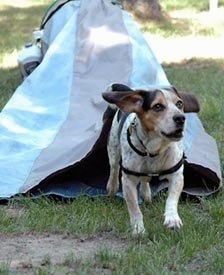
(204, 151)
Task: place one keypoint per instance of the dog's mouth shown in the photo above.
(177, 134)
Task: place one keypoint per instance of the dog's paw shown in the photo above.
(111, 189)
(173, 221)
(147, 199)
(145, 192)
(138, 229)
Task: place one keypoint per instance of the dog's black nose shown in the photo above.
(179, 120)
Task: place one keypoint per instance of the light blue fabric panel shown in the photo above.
(55, 25)
(36, 111)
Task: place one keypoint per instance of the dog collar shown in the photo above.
(157, 174)
(143, 154)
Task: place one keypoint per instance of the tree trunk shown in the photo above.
(213, 5)
(144, 9)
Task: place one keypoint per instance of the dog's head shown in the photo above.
(160, 110)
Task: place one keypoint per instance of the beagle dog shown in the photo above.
(145, 141)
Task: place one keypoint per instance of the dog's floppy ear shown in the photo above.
(127, 101)
(119, 87)
(112, 108)
(191, 103)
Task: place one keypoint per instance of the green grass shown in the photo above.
(195, 6)
(19, 22)
(196, 249)
(205, 79)
(27, 18)
(174, 26)
(71, 216)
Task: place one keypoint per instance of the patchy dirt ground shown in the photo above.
(25, 252)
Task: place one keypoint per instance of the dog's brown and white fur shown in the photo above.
(155, 124)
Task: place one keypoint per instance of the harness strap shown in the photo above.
(121, 117)
(158, 174)
(143, 154)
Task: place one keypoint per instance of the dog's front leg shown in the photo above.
(172, 219)
(129, 185)
(114, 158)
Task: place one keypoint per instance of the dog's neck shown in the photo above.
(148, 142)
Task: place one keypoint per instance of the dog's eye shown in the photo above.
(180, 104)
(158, 107)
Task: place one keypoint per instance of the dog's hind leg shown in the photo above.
(145, 191)
(113, 181)
(131, 198)
(114, 159)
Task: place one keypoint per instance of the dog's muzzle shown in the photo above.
(177, 134)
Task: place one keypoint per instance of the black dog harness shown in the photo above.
(157, 174)
(144, 154)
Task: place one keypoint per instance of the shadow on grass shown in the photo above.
(204, 77)
(168, 27)
(171, 5)
(9, 80)
(26, 18)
